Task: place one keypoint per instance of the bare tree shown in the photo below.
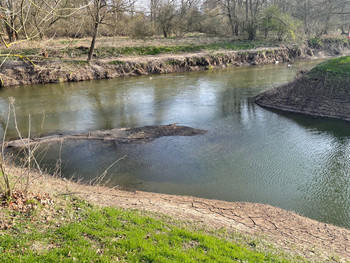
(29, 19)
(52, 11)
(9, 13)
(99, 11)
(165, 16)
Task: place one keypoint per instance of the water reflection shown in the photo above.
(337, 128)
(249, 153)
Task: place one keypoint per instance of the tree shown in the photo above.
(99, 11)
(9, 12)
(280, 23)
(231, 12)
(29, 19)
(165, 16)
(49, 12)
(189, 16)
(253, 13)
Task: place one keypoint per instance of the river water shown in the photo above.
(295, 162)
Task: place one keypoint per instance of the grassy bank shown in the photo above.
(333, 68)
(70, 229)
(105, 50)
(107, 47)
(333, 74)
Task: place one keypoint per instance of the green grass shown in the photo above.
(156, 50)
(334, 67)
(29, 51)
(150, 49)
(335, 72)
(76, 62)
(116, 62)
(105, 52)
(66, 42)
(334, 75)
(22, 51)
(83, 233)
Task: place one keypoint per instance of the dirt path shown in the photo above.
(299, 235)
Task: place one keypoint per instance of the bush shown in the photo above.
(142, 28)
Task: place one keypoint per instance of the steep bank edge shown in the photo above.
(14, 73)
(314, 93)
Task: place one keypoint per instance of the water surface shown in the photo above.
(249, 153)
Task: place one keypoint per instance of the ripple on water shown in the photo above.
(249, 153)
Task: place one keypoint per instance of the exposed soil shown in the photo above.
(124, 135)
(54, 70)
(15, 73)
(314, 240)
(310, 95)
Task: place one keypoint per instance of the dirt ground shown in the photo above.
(316, 241)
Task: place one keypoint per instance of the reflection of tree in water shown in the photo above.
(235, 102)
(102, 112)
(27, 103)
(3, 115)
(329, 191)
(172, 94)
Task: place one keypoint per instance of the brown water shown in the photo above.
(250, 154)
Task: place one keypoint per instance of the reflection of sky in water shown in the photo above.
(249, 153)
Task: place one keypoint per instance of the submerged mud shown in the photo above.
(124, 135)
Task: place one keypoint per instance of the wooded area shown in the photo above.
(281, 20)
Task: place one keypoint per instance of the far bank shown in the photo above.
(55, 70)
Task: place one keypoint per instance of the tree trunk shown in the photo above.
(231, 23)
(165, 33)
(232, 16)
(246, 11)
(10, 30)
(93, 41)
(236, 29)
(251, 32)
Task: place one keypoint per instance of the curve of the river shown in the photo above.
(249, 153)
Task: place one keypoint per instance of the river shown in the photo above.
(295, 162)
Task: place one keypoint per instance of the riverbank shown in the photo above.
(73, 230)
(109, 64)
(322, 92)
(285, 230)
(16, 73)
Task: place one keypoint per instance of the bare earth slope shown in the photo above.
(324, 91)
